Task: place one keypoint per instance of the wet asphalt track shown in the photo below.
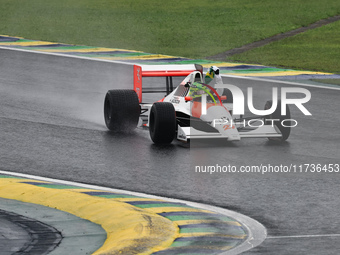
(51, 125)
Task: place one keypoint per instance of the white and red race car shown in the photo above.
(192, 110)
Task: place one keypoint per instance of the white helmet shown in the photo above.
(216, 69)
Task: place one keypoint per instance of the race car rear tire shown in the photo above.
(121, 110)
(284, 129)
(162, 123)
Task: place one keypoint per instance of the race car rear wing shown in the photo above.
(167, 71)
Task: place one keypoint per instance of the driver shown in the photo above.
(214, 78)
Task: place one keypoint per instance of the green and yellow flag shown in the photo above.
(209, 75)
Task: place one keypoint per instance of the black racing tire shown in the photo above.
(162, 123)
(285, 130)
(121, 110)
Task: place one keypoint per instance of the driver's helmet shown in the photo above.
(216, 69)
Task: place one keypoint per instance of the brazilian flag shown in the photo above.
(209, 76)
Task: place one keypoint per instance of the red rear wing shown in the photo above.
(161, 71)
(166, 73)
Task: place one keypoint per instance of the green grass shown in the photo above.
(328, 81)
(317, 49)
(192, 28)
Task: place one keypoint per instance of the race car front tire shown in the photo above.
(162, 123)
(121, 110)
(284, 129)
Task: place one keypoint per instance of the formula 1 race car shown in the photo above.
(193, 110)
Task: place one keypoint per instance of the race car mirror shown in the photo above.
(187, 98)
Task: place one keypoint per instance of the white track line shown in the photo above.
(66, 55)
(304, 236)
(257, 233)
(125, 63)
(326, 86)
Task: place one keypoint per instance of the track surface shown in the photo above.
(51, 125)
(41, 238)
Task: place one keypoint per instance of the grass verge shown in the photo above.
(317, 49)
(328, 81)
(192, 28)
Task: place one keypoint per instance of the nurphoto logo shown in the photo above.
(239, 105)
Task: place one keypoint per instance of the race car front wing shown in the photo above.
(187, 133)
